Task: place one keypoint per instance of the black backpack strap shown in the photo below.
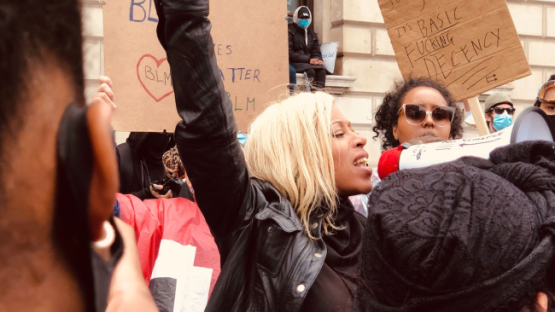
(125, 167)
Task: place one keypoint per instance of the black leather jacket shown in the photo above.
(269, 263)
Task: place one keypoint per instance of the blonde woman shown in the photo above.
(288, 236)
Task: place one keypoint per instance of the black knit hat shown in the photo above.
(454, 237)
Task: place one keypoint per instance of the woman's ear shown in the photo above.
(105, 180)
(395, 132)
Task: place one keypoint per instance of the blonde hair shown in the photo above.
(289, 146)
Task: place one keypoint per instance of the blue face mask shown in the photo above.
(503, 121)
(303, 23)
(242, 137)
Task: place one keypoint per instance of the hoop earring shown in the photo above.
(102, 246)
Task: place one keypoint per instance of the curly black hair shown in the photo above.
(387, 114)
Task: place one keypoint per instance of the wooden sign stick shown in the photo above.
(478, 115)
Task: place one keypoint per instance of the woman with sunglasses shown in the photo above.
(546, 98)
(417, 108)
(499, 112)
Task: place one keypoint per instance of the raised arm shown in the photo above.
(207, 135)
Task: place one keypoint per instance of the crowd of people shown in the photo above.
(277, 205)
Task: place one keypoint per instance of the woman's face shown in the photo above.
(352, 176)
(547, 107)
(429, 98)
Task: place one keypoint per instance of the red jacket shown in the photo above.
(181, 223)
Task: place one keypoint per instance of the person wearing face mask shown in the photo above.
(304, 49)
(546, 98)
(499, 112)
(60, 248)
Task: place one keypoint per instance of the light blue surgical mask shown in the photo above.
(503, 121)
(303, 23)
(242, 137)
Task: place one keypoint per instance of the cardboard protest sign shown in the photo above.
(250, 42)
(470, 45)
(329, 54)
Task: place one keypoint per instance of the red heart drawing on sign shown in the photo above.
(158, 87)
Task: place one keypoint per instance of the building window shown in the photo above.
(292, 5)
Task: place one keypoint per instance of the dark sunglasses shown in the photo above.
(500, 110)
(415, 114)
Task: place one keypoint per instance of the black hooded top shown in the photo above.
(146, 150)
(303, 44)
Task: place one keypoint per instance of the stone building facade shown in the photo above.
(366, 65)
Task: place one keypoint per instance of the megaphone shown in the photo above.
(531, 125)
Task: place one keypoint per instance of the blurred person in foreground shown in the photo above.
(60, 250)
(469, 235)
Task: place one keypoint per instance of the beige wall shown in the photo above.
(365, 52)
